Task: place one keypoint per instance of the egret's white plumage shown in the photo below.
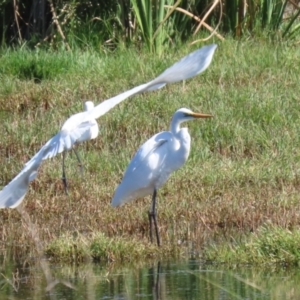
(83, 125)
(155, 160)
(75, 130)
(189, 66)
(13, 193)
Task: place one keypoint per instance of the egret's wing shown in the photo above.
(56, 145)
(64, 140)
(107, 105)
(13, 193)
(150, 146)
(143, 169)
(188, 67)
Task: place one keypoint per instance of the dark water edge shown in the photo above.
(158, 280)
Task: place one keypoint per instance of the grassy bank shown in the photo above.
(268, 245)
(243, 169)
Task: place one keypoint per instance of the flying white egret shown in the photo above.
(83, 126)
(154, 162)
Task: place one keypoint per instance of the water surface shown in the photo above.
(166, 280)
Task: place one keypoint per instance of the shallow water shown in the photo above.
(166, 280)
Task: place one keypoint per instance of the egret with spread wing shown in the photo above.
(154, 162)
(83, 125)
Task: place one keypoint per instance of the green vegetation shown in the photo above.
(243, 169)
(159, 24)
(38, 66)
(269, 244)
(100, 248)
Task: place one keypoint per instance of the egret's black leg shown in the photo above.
(79, 161)
(150, 225)
(64, 179)
(155, 221)
(152, 215)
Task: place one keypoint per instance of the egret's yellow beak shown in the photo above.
(199, 115)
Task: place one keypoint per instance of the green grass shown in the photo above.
(38, 66)
(270, 244)
(77, 247)
(243, 169)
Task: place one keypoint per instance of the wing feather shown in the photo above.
(14, 192)
(188, 67)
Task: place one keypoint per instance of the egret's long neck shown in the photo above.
(181, 141)
(175, 125)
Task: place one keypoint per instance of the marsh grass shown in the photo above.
(75, 247)
(269, 244)
(243, 169)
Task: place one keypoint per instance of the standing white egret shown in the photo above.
(83, 125)
(154, 162)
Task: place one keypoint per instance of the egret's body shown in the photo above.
(83, 126)
(154, 162)
(152, 165)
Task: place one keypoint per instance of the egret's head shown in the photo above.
(185, 114)
(88, 105)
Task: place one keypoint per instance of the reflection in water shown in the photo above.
(17, 281)
(39, 248)
(156, 283)
(186, 280)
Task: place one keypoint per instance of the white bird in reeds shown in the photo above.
(153, 163)
(83, 126)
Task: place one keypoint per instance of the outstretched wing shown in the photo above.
(142, 171)
(13, 193)
(189, 66)
(107, 105)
